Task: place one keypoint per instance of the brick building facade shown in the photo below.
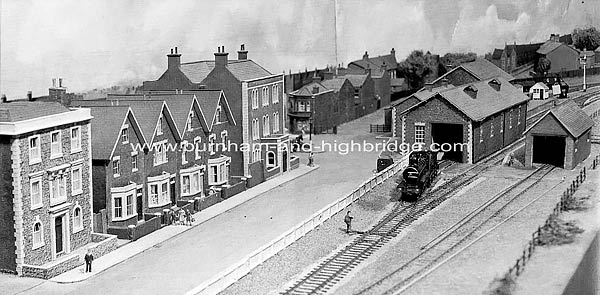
(47, 196)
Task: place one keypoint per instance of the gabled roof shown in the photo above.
(548, 47)
(243, 70)
(497, 54)
(334, 84)
(481, 68)
(14, 111)
(488, 101)
(522, 49)
(571, 117)
(356, 80)
(209, 101)
(307, 90)
(540, 85)
(106, 130)
(377, 62)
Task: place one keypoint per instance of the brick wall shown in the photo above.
(7, 228)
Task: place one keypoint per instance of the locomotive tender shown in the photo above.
(418, 175)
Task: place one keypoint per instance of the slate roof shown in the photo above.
(497, 54)
(482, 69)
(522, 49)
(571, 117)
(377, 62)
(356, 80)
(487, 102)
(540, 85)
(14, 111)
(307, 90)
(242, 69)
(334, 84)
(548, 47)
(106, 129)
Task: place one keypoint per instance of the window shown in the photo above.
(115, 167)
(125, 135)
(197, 142)
(191, 182)
(480, 134)
(38, 233)
(275, 93)
(502, 125)
(75, 139)
(492, 128)
(275, 122)
(159, 129)
(35, 190)
(256, 154)
(218, 172)
(76, 181)
(510, 119)
(255, 129)
(160, 153)
(308, 106)
(134, 161)
(55, 145)
(35, 155)
(159, 190)
(301, 106)
(58, 189)
(419, 133)
(183, 151)
(211, 144)
(519, 116)
(270, 159)
(218, 114)
(266, 125)
(130, 205)
(77, 219)
(224, 138)
(190, 127)
(117, 207)
(255, 98)
(265, 96)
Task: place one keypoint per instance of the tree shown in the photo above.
(586, 38)
(416, 67)
(452, 60)
(543, 66)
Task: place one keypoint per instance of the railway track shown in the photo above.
(458, 234)
(325, 275)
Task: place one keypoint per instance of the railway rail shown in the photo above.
(459, 233)
(326, 275)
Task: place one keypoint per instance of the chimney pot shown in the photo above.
(366, 55)
(171, 50)
(60, 80)
(4, 98)
(53, 82)
(29, 96)
(175, 49)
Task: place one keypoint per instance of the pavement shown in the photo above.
(177, 259)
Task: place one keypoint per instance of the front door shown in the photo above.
(285, 161)
(58, 233)
(140, 204)
(173, 192)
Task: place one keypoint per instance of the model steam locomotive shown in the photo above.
(418, 175)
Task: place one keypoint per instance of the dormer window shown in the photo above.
(495, 84)
(125, 134)
(471, 91)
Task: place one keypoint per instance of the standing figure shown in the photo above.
(189, 218)
(88, 260)
(310, 159)
(348, 221)
(181, 217)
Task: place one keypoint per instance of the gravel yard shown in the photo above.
(288, 265)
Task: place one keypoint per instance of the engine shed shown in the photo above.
(561, 137)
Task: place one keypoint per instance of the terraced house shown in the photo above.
(46, 206)
(256, 99)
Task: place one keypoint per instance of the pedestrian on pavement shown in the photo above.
(310, 159)
(182, 217)
(348, 221)
(190, 218)
(88, 260)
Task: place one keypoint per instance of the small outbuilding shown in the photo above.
(539, 91)
(561, 137)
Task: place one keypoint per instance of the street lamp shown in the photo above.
(583, 61)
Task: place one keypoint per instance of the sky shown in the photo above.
(96, 44)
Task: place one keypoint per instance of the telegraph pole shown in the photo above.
(583, 61)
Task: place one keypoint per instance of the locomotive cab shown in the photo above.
(418, 175)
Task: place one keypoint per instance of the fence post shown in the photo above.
(517, 266)
(524, 258)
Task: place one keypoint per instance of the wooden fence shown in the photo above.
(379, 128)
(240, 269)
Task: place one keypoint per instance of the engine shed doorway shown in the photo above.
(549, 150)
(451, 134)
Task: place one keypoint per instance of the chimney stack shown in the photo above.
(221, 57)
(242, 53)
(445, 82)
(60, 82)
(316, 77)
(29, 96)
(4, 99)
(366, 55)
(393, 52)
(173, 59)
(53, 82)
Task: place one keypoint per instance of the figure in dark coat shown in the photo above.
(348, 221)
(88, 260)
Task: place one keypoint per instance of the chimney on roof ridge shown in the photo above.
(173, 59)
(29, 95)
(4, 99)
(221, 57)
(366, 55)
(316, 77)
(242, 53)
(445, 82)
(393, 51)
(368, 70)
